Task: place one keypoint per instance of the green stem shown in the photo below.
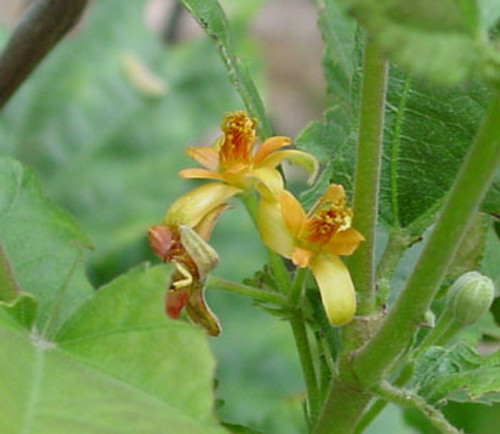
(392, 338)
(304, 349)
(215, 282)
(407, 399)
(461, 205)
(367, 176)
(297, 289)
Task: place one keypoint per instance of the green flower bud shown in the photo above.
(470, 297)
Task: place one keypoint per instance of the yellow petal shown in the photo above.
(301, 257)
(272, 228)
(344, 242)
(307, 161)
(270, 178)
(336, 288)
(205, 226)
(292, 210)
(334, 193)
(191, 208)
(196, 172)
(207, 156)
(269, 146)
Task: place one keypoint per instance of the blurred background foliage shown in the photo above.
(108, 151)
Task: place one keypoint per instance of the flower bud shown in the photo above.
(470, 297)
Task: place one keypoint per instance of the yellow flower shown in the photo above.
(315, 240)
(182, 239)
(234, 160)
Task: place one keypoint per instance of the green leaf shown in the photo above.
(118, 364)
(43, 244)
(123, 332)
(139, 373)
(457, 373)
(212, 19)
(444, 41)
(427, 133)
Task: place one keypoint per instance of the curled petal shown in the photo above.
(344, 242)
(196, 172)
(292, 210)
(307, 161)
(199, 312)
(272, 227)
(269, 146)
(336, 288)
(205, 226)
(192, 207)
(207, 156)
(160, 240)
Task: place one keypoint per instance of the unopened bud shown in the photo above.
(470, 297)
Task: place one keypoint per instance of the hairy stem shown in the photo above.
(304, 349)
(297, 288)
(215, 282)
(41, 27)
(367, 175)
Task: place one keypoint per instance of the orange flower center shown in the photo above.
(326, 219)
(238, 139)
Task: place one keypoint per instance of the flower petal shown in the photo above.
(292, 210)
(176, 300)
(160, 240)
(207, 156)
(199, 312)
(301, 257)
(303, 159)
(191, 208)
(205, 226)
(336, 288)
(196, 172)
(344, 242)
(269, 146)
(272, 227)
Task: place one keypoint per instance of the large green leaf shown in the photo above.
(428, 131)
(106, 361)
(457, 373)
(120, 366)
(43, 244)
(446, 41)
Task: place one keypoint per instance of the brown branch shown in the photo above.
(41, 27)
